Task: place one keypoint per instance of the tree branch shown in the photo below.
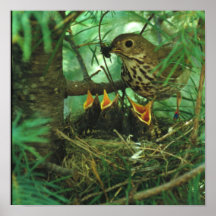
(69, 18)
(194, 134)
(78, 55)
(198, 106)
(156, 190)
(86, 44)
(57, 169)
(74, 88)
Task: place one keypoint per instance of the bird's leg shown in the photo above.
(179, 98)
(143, 112)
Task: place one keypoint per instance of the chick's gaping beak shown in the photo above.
(142, 112)
(89, 101)
(106, 102)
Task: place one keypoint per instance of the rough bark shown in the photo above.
(81, 87)
(36, 91)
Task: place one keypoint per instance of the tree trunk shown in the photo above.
(37, 91)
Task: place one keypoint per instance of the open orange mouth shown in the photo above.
(89, 101)
(143, 112)
(106, 102)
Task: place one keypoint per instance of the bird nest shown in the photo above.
(105, 164)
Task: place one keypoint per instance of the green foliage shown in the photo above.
(29, 131)
(22, 29)
(28, 186)
(167, 27)
(182, 27)
(194, 192)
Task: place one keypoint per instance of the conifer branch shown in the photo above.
(198, 106)
(156, 190)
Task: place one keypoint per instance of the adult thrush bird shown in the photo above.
(143, 71)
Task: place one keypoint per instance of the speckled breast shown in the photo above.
(140, 78)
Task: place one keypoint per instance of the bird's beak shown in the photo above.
(146, 116)
(142, 112)
(89, 101)
(115, 50)
(106, 102)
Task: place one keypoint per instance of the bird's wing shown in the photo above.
(163, 53)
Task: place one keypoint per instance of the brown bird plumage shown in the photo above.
(143, 70)
(139, 58)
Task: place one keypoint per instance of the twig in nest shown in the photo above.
(94, 169)
(144, 27)
(116, 194)
(85, 143)
(167, 153)
(122, 139)
(79, 144)
(86, 147)
(119, 185)
(184, 134)
(174, 131)
(58, 169)
(156, 190)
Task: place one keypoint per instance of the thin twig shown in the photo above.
(69, 18)
(174, 131)
(95, 73)
(122, 139)
(86, 44)
(85, 143)
(167, 153)
(58, 169)
(198, 106)
(156, 190)
(107, 69)
(119, 185)
(144, 27)
(78, 55)
(99, 29)
(79, 144)
(106, 73)
(85, 147)
(183, 135)
(95, 172)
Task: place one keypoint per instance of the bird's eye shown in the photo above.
(129, 43)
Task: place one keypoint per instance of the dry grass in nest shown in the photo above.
(110, 165)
